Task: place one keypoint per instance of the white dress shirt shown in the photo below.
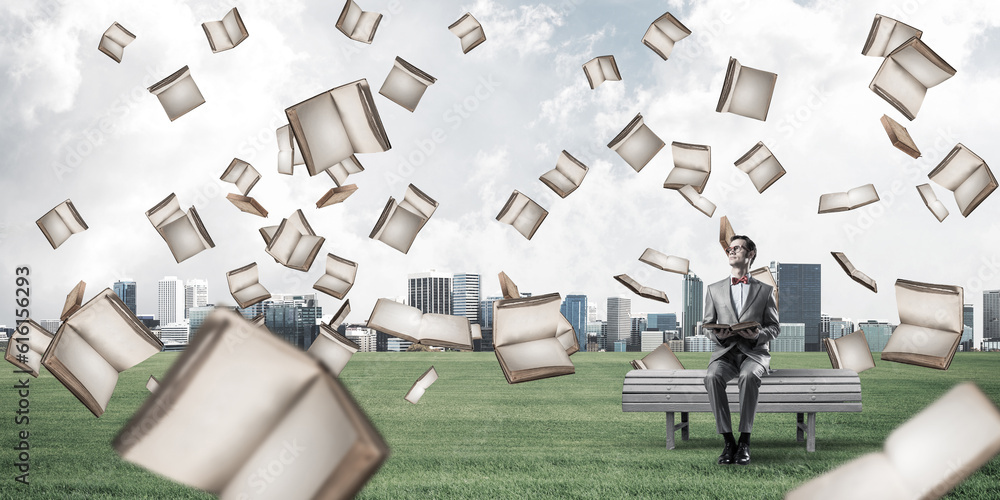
(739, 293)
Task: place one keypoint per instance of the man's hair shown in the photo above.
(751, 246)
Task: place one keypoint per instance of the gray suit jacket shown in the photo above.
(759, 307)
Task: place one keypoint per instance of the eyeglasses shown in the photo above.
(735, 248)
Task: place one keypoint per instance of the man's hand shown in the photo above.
(723, 333)
(749, 333)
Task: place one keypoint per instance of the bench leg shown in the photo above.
(670, 430)
(684, 426)
(811, 432)
(798, 426)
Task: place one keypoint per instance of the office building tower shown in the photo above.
(293, 318)
(674, 340)
(486, 322)
(799, 299)
(169, 300)
(574, 309)
(661, 321)
(50, 325)
(125, 290)
(991, 314)
(195, 294)
(196, 316)
(637, 325)
(149, 320)
(430, 292)
(968, 312)
(791, 338)
(363, 336)
(595, 342)
(698, 343)
(838, 327)
(619, 321)
(465, 296)
(650, 339)
(877, 333)
(175, 333)
(694, 309)
(592, 313)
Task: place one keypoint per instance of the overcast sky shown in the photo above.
(78, 126)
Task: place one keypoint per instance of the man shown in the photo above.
(744, 354)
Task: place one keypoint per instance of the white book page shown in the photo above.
(900, 84)
(183, 239)
(638, 149)
(760, 156)
(938, 311)
(324, 133)
(239, 281)
(466, 25)
(542, 353)
(112, 46)
(977, 182)
(671, 30)
(417, 204)
(692, 159)
(854, 352)
(897, 35)
(946, 442)
(349, 103)
(596, 71)
(682, 176)
(249, 293)
(918, 340)
(862, 195)
(528, 218)
(118, 340)
(331, 353)
(118, 36)
(87, 365)
(401, 229)
(367, 23)
(472, 37)
(833, 201)
(766, 172)
(58, 231)
(919, 67)
(959, 168)
(351, 19)
(657, 38)
(392, 318)
(569, 168)
(233, 31)
(873, 475)
(336, 285)
(446, 328)
(402, 88)
(559, 180)
(880, 43)
(167, 213)
(181, 97)
(303, 249)
(219, 35)
(608, 69)
(662, 358)
(514, 209)
(751, 93)
(525, 320)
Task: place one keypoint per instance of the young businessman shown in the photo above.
(737, 299)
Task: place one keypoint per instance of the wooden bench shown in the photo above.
(803, 392)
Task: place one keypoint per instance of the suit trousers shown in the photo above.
(732, 364)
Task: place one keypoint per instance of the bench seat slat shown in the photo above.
(821, 372)
(764, 398)
(735, 407)
(733, 389)
(766, 380)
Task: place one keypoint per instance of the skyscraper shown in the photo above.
(968, 313)
(169, 300)
(799, 299)
(486, 318)
(661, 321)
(195, 294)
(430, 292)
(465, 296)
(991, 314)
(293, 318)
(694, 309)
(877, 333)
(574, 308)
(840, 327)
(637, 326)
(619, 319)
(125, 290)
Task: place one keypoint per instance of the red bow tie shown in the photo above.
(743, 280)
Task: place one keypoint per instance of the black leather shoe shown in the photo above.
(743, 454)
(727, 454)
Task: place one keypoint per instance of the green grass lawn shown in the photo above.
(474, 436)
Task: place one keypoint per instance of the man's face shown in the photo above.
(738, 254)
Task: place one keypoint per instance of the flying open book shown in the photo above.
(930, 324)
(636, 143)
(60, 223)
(906, 74)
(477, 331)
(358, 24)
(340, 315)
(295, 244)
(27, 345)
(336, 124)
(933, 204)
(227, 33)
(336, 195)
(640, 290)
(183, 231)
(238, 400)
(697, 200)
(177, 93)
(405, 84)
(531, 339)
(332, 349)
(853, 272)
(665, 262)
(99, 341)
(692, 166)
(245, 287)
(967, 175)
(854, 198)
(850, 352)
(339, 276)
(74, 301)
(288, 150)
(746, 91)
(661, 358)
(507, 287)
(523, 213)
(886, 34)
(601, 69)
(400, 222)
(421, 385)
(924, 458)
(762, 167)
(342, 170)
(469, 32)
(114, 40)
(247, 204)
(899, 137)
(566, 177)
(661, 36)
(408, 323)
(726, 232)
(242, 174)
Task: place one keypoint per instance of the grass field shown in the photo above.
(474, 436)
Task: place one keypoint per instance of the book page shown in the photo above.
(183, 239)
(403, 88)
(323, 140)
(862, 195)
(692, 157)
(662, 44)
(305, 250)
(368, 22)
(349, 100)
(834, 202)
(946, 442)
(542, 353)
(349, 18)
(118, 35)
(234, 27)
(418, 202)
(218, 36)
(924, 69)
(766, 173)
(873, 474)
(919, 340)
(608, 68)
(396, 319)
(573, 169)
(250, 293)
(55, 228)
(558, 182)
(529, 218)
(465, 25)
(665, 262)
(512, 209)
(594, 72)
(473, 38)
(180, 97)
(679, 177)
(243, 277)
(401, 229)
(525, 319)
(638, 149)
(671, 27)
(937, 308)
(854, 352)
(116, 334)
(956, 168)
(978, 183)
(333, 284)
(332, 353)
(662, 358)
(212, 414)
(445, 328)
(751, 94)
(895, 81)
(87, 365)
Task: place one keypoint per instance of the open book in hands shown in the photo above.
(745, 329)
